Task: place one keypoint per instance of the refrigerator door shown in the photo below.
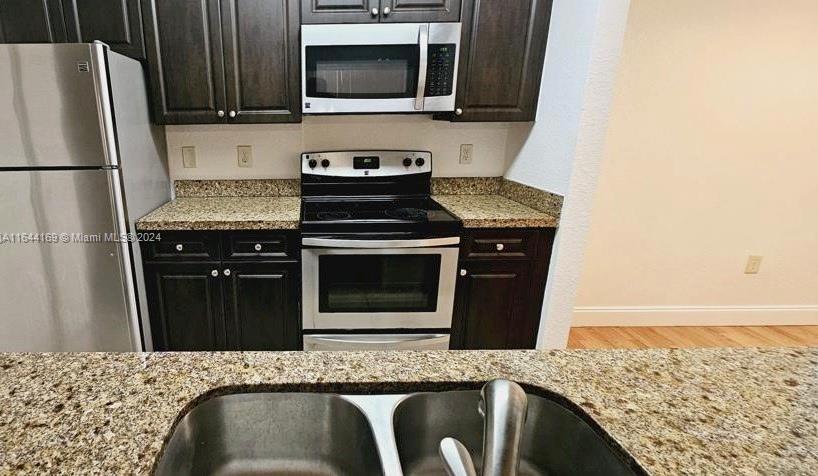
(54, 99)
(66, 291)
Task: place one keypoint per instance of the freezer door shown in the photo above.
(68, 295)
(54, 100)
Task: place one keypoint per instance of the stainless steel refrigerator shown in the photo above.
(80, 161)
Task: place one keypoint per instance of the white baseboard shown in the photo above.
(640, 316)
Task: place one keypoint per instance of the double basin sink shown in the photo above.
(326, 434)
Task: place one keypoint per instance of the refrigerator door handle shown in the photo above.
(125, 260)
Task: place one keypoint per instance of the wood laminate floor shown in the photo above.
(645, 337)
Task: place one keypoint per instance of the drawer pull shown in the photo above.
(257, 247)
(179, 247)
(500, 247)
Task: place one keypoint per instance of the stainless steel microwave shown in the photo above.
(379, 68)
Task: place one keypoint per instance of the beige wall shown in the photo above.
(712, 155)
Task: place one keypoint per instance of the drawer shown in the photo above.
(500, 243)
(183, 245)
(255, 245)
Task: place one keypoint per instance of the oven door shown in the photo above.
(371, 284)
(356, 342)
(377, 68)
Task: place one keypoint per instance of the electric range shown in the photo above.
(379, 256)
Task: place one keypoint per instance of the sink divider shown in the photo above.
(379, 411)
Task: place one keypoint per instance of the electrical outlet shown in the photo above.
(753, 265)
(189, 157)
(466, 153)
(245, 155)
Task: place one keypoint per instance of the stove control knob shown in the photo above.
(419, 162)
(407, 162)
(325, 163)
(312, 163)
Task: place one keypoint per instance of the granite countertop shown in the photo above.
(225, 213)
(704, 411)
(495, 211)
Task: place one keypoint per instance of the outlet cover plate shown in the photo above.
(466, 153)
(245, 155)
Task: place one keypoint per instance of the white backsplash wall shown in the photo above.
(277, 147)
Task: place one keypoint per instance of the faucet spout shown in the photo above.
(503, 405)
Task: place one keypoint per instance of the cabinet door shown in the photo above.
(491, 304)
(184, 49)
(340, 11)
(261, 55)
(502, 54)
(404, 11)
(185, 305)
(31, 21)
(261, 306)
(115, 22)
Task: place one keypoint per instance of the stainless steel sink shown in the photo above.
(555, 440)
(390, 435)
(272, 434)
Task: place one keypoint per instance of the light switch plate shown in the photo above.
(189, 157)
(245, 155)
(466, 153)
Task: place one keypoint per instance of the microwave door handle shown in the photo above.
(423, 44)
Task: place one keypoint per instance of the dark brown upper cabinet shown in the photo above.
(501, 60)
(118, 23)
(32, 21)
(261, 51)
(403, 11)
(184, 50)
(340, 11)
(228, 61)
(374, 11)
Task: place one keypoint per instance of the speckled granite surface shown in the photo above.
(537, 199)
(706, 411)
(466, 185)
(238, 188)
(225, 213)
(494, 211)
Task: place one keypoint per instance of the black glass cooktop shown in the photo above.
(377, 215)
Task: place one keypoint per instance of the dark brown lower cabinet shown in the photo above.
(231, 290)
(260, 300)
(499, 295)
(185, 305)
(493, 297)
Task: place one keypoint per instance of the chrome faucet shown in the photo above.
(503, 405)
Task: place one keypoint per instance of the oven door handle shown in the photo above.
(374, 244)
(423, 44)
(369, 341)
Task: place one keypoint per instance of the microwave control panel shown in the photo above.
(440, 72)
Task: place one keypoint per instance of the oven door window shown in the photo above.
(362, 72)
(378, 283)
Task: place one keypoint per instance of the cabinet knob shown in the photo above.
(257, 247)
(500, 246)
(463, 272)
(227, 272)
(374, 12)
(387, 11)
(458, 112)
(179, 247)
(214, 273)
(232, 114)
(220, 113)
